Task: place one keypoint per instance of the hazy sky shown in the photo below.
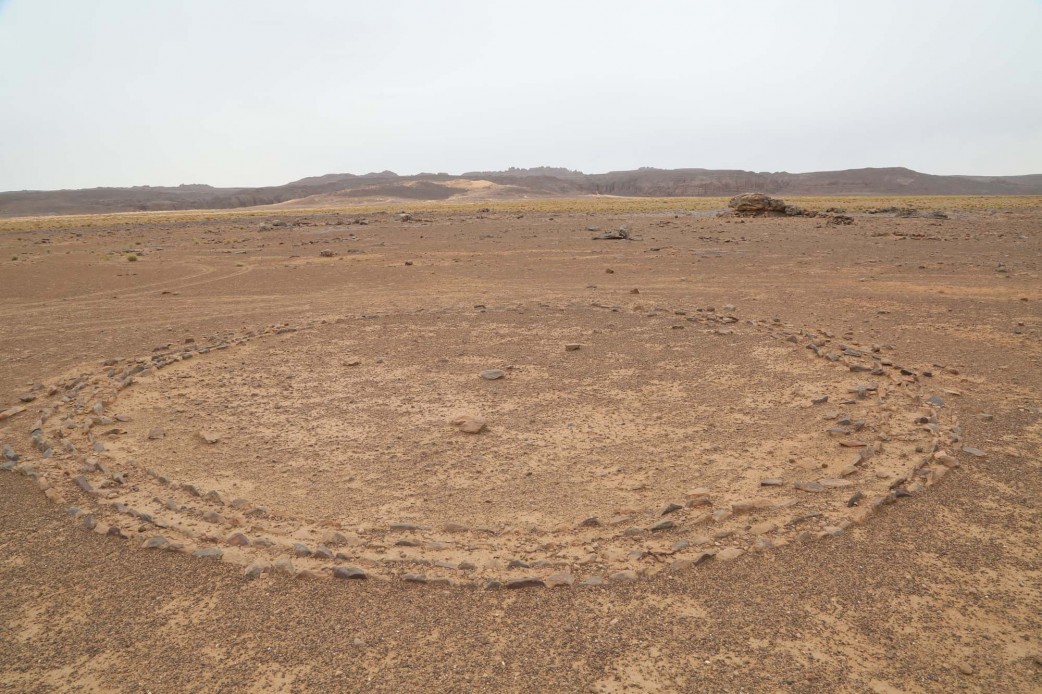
(259, 92)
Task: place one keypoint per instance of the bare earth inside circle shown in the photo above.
(637, 418)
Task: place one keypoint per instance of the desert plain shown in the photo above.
(473, 448)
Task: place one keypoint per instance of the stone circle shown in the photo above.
(676, 435)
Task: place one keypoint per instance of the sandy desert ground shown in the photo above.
(726, 455)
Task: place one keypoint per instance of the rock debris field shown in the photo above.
(709, 425)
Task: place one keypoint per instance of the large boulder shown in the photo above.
(755, 203)
(760, 205)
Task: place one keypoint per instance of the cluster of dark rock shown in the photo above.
(761, 205)
(620, 234)
(908, 212)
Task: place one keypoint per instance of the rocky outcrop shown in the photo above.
(761, 205)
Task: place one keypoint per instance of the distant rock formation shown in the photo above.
(520, 184)
(760, 205)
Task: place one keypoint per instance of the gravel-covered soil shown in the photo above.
(321, 399)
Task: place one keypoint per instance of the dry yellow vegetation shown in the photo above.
(591, 204)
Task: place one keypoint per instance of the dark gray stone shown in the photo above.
(407, 526)
(527, 582)
(349, 573)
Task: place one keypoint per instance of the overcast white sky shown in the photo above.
(259, 92)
